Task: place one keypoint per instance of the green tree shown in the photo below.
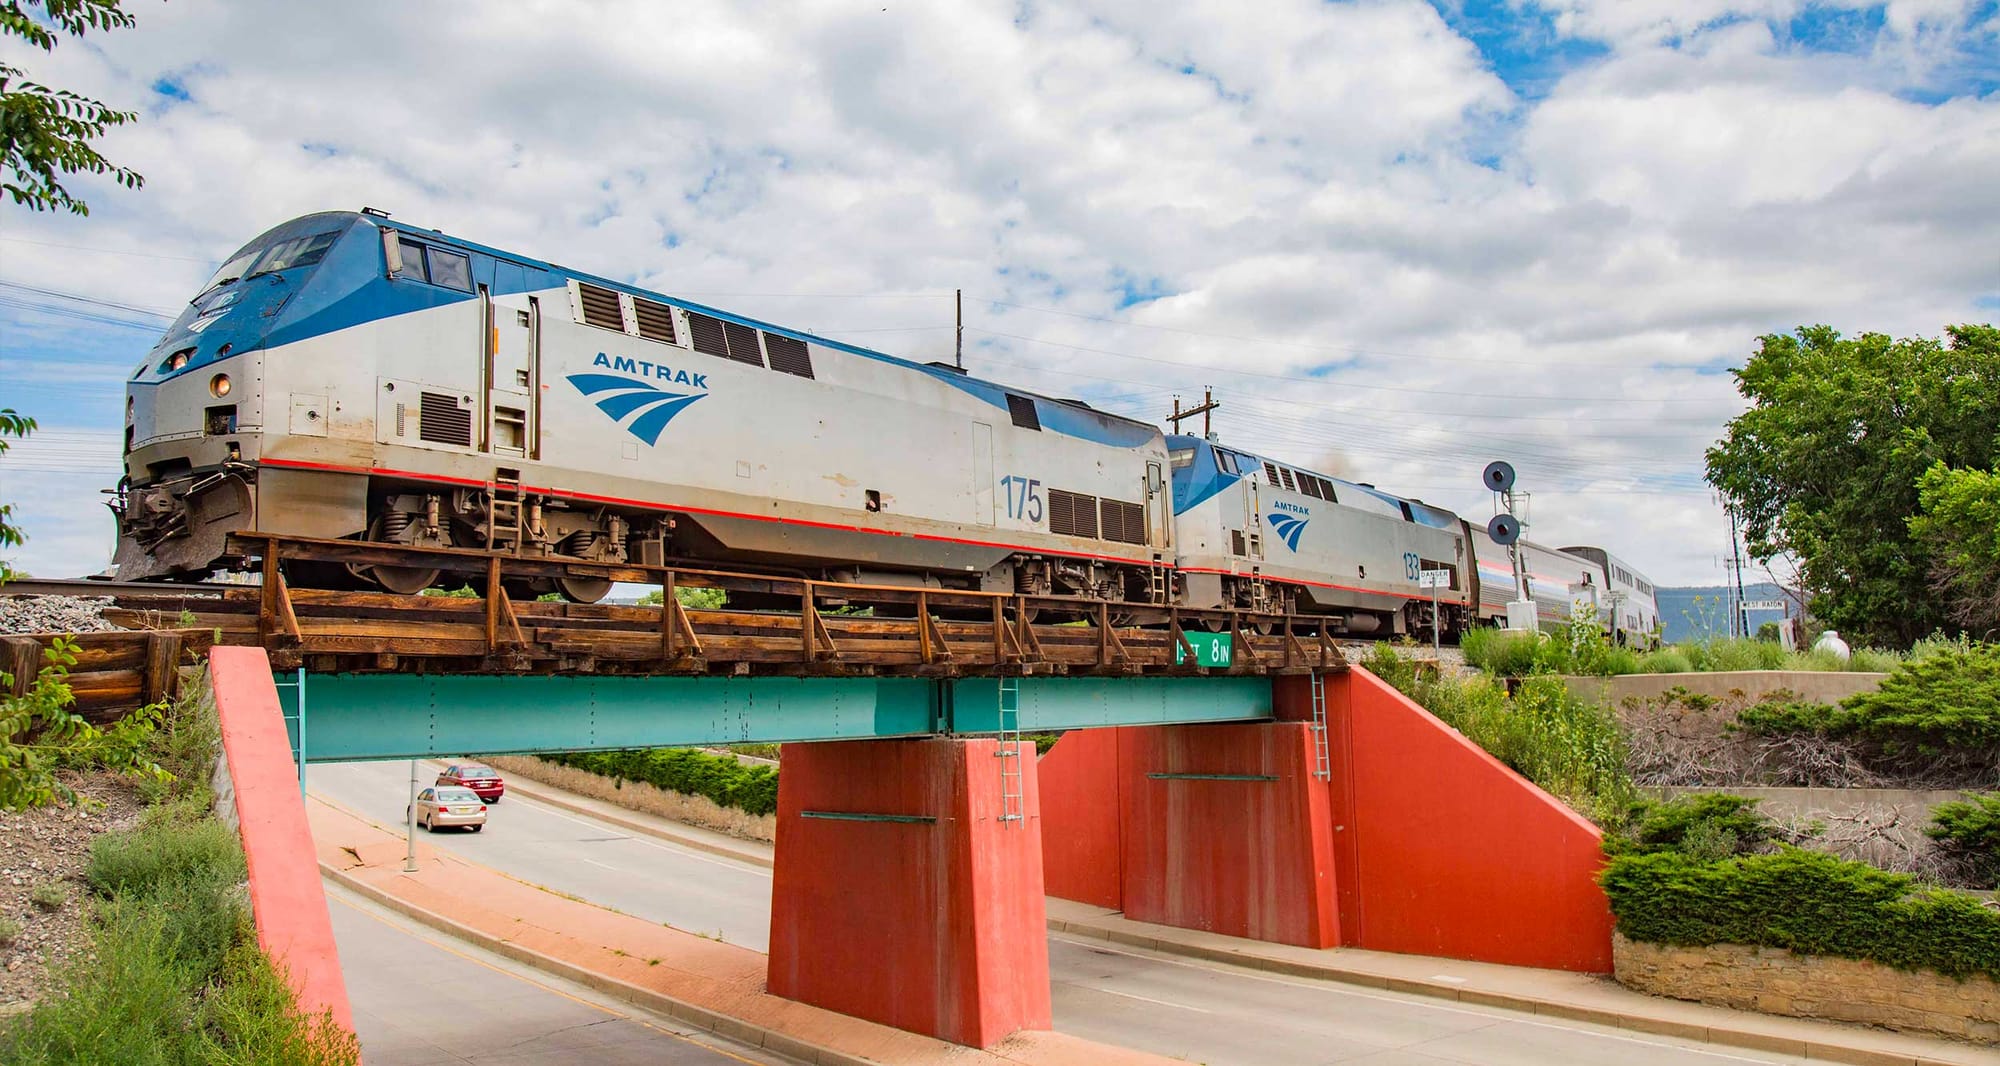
(16, 426)
(1960, 524)
(1825, 464)
(45, 133)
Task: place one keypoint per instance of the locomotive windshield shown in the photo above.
(269, 259)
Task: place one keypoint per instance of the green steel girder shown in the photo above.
(395, 716)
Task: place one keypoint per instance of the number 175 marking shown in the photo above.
(1024, 497)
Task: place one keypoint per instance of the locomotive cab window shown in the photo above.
(435, 266)
(1181, 458)
(297, 252)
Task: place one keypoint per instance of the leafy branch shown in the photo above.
(40, 735)
(45, 133)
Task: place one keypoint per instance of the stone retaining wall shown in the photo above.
(639, 796)
(1825, 686)
(1775, 981)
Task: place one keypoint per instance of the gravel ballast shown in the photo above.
(53, 614)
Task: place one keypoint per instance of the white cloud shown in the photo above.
(1304, 185)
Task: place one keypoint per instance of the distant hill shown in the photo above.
(1684, 619)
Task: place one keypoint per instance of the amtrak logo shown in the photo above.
(643, 409)
(1288, 527)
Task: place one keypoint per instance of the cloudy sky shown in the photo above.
(1398, 238)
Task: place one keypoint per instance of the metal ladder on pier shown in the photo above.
(1323, 765)
(1009, 750)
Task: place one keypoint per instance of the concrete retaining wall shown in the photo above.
(1825, 686)
(1776, 981)
(639, 796)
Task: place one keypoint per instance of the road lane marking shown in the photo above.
(606, 865)
(1497, 1014)
(1142, 999)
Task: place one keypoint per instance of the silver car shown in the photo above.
(450, 806)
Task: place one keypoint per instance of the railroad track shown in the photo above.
(94, 588)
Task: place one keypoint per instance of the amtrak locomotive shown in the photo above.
(346, 376)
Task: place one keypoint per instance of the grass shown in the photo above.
(49, 895)
(1507, 654)
(1572, 748)
(173, 974)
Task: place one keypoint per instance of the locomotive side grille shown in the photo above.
(1236, 543)
(1309, 485)
(743, 343)
(656, 321)
(1072, 514)
(707, 335)
(788, 354)
(600, 307)
(1124, 522)
(1023, 411)
(1286, 473)
(442, 421)
(1271, 473)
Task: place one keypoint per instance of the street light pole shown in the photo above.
(410, 815)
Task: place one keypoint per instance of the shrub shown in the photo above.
(1668, 660)
(1969, 831)
(752, 789)
(166, 852)
(10, 930)
(1708, 825)
(49, 895)
(1949, 698)
(1805, 901)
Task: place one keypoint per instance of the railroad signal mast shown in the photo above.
(1506, 529)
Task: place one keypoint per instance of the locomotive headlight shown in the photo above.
(219, 385)
(177, 360)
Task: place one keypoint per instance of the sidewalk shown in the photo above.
(703, 982)
(1554, 993)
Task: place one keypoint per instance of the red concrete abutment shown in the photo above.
(907, 886)
(287, 900)
(1417, 841)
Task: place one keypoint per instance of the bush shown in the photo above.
(10, 930)
(166, 853)
(1949, 698)
(1804, 901)
(752, 789)
(1703, 824)
(1970, 832)
(173, 974)
(49, 895)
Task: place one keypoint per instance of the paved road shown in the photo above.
(1199, 1011)
(422, 998)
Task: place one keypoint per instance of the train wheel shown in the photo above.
(583, 589)
(404, 580)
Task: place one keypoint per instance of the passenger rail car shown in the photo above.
(342, 376)
(1630, 610)
(1257, 533)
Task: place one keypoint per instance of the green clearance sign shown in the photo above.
(1210, 649)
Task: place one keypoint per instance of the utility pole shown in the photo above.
(958, 317)
(1739, 619)
(410, 829)
(1208, 406)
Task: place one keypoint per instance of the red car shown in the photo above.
(480, 779)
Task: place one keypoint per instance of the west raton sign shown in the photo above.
(1210, 649)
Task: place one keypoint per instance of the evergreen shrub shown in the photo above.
(1700, 870)
(730, 783)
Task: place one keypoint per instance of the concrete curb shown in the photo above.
(659, 1003)
(1720, 1035)
(1249, 959)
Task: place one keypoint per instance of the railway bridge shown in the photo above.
(1225, 771)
